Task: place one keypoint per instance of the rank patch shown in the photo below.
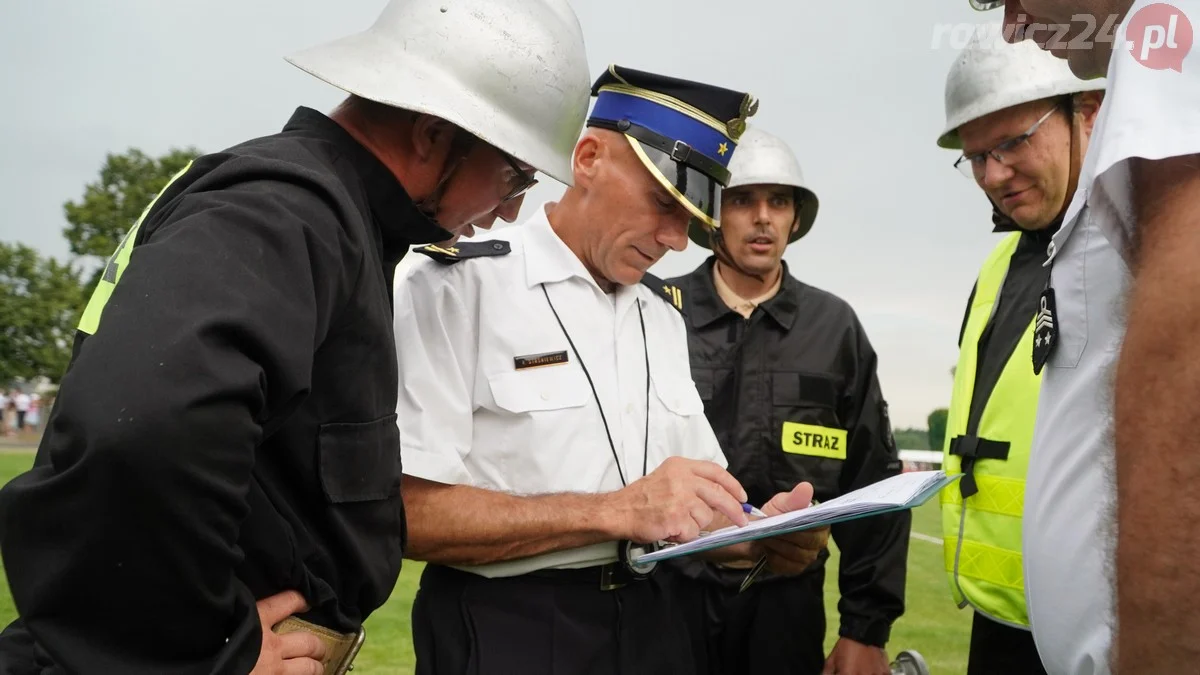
(1045, 333)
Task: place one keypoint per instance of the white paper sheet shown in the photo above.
(903, 491)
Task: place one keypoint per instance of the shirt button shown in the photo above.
(545, 397)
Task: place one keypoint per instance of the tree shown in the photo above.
(41, 300)
(912, 439)
(111, 205)
(937, 428)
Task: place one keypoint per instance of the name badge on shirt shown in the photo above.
(539, 360)
(814, 441)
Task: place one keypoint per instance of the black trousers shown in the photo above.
(556, 624)
(999, 649)
(776, 626)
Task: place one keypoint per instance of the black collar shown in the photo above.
(1003, 223)
(707, 306)
(397, 219)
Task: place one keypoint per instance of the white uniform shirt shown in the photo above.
(1070, 523)
(469, 416)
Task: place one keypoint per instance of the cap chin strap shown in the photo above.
(717, 243)
(1076, 160)
(460, 147)
(1002, 221)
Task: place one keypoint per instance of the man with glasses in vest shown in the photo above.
(1022, 121)
(1112, 513)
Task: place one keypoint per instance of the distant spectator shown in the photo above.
(34, 418)
(21, 403)
(5, 404)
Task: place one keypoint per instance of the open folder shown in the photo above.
(897, 493)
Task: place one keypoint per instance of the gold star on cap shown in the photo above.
(722, 149)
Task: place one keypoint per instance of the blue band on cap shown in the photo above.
(615, 106)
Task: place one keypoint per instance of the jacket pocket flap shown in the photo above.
(360, 461)
(804, 389)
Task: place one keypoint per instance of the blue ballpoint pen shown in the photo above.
(751, 510)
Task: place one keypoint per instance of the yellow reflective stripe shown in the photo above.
(1005, 496)
(986, 563)
(814, 441)
(114, 268)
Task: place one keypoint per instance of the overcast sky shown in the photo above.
(855, 87)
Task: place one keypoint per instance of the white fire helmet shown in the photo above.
(990, 75)
(764, 159)
(511, 72)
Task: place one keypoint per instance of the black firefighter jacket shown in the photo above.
(793, 396)
(229, 430)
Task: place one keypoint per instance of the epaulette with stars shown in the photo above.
(465, 250)
(672, 294)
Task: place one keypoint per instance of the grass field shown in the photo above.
(931, 625)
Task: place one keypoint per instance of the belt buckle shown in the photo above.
(610, 577)
(341, 648)
(625, 571)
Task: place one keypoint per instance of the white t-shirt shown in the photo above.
(21, 402)
(469, 414)
(1069, 523)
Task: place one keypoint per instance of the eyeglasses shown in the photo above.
(525, 181)
(985, 5)
(1007, 152)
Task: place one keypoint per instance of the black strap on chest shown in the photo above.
(579, 357)
(972, 449)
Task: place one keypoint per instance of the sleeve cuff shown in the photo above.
(434, 467)
(873, 632)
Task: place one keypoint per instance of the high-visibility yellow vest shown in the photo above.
(982, 532)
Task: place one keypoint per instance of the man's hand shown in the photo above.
(676, 501)
(791, 554)
(290, 654)
(854, 658)
(787, 554)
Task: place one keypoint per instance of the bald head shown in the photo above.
(617, 217)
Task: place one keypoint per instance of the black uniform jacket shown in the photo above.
(792, 395)
(229, 430)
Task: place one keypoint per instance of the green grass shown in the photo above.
(931, 625)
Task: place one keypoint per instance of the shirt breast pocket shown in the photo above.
(546, 389)
(1068, 278)
(679, 395)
